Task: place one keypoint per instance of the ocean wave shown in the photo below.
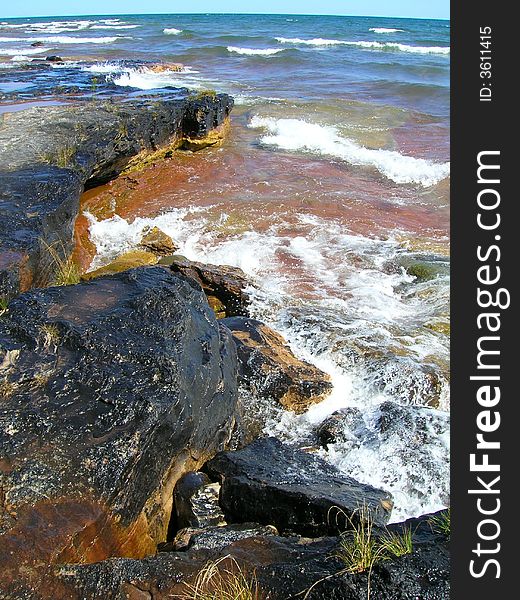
(172, 31)
(145, 79)
(295, 134)
(372, 45)
(106, 67)
(254, 51)
(114, 26)
(21, 51)
(65, 39)
(312, 42)
(384, 30)
(401, 47)
(58, 27)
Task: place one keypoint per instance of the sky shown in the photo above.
(433, 9)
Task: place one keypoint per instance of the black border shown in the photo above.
(478, 126)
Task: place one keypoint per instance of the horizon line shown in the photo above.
(123, 14)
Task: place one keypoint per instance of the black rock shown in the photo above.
(273, 483)
(110, 390)
(48, 155)
(195, 500)
(285, 568)
(54, 58)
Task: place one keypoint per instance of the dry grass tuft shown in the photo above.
(218, 582)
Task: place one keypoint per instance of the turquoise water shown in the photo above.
(334, 179)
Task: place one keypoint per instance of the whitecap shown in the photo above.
(295, 134)
(25, 52)
(311, 42)
(384, 30)
(254, 51)
(172, 31)
(145, 79)
(401, 47)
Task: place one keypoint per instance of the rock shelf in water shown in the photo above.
(49, 155)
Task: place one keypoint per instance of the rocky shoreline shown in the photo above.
(127, 464)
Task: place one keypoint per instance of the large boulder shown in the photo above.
(271, 482)
(110, 390)
(270, 370)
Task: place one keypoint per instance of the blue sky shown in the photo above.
(393, 8)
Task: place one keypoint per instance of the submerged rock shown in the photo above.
(268, 367)
(48, 155)
(162, 67)
(112, 390)
(156, 241)
(124, 262)
(226, 284)
(273, 483)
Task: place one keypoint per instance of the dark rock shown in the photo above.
(424, 266)
(49, 154)
(276, 484)
(285, 569)
(268, 367)
(227, 284)
(195, 500)
(111, 391)
(54, 58)
(37, 44)
(215, 537)
(335, 428)
(158, 242)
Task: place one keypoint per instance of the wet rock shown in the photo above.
(54, 58)
(112, 390)
(48, 155)
(425, 266)
(162, 67)
(37, 44)
(276, 484)
(156, 241)
(216, 538)
(284, 567)
(227, 284)
(336, 427)
(195, 500)
(268, 367)
(124, 262)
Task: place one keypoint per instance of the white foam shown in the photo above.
(23, 52)
(68, 39)
(172, 31)
(311, 42)
(401, 47)
(114, 26)
(146, 79)
(384, 30)
(295, 134)
(254, 51)
(370, 45)
(106, 67)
